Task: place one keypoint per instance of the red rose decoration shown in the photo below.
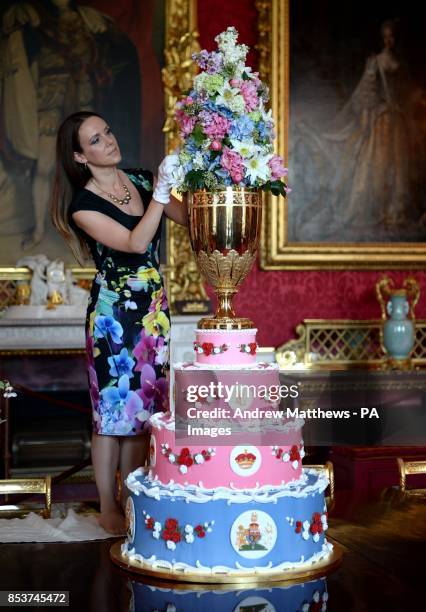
(201, 533)
(320, 529)
(189, 461)
(252, 347)
(207, 457)
(298, 526)
(316, 517)
(150, 523)
(171, 523)
(185, 452)
(314, 528)
(198, 527)
(279, 453)
(175, 537)
(207, 348)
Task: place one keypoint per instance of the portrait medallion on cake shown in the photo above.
(152, 451)
(253, 534)
(245, 460)
(130, 519)
(255, 603)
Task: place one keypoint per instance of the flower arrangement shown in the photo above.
(226, 130)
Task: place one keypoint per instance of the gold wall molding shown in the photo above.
(178, 73)
(277, 253)
(343, 344)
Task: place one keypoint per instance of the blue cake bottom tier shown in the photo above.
(224, 531)
(295, 598)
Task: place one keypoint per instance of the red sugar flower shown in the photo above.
(298, 526)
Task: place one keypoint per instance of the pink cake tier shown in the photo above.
(218, 347)
(236, 467)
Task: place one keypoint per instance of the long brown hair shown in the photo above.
(69, 177)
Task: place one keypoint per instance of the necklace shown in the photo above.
(124, 201)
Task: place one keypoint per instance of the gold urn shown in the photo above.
(224, 228)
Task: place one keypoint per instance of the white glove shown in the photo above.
(165, 182)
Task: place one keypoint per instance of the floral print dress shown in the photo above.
(127, 324)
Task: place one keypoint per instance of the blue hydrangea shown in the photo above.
(242, 128)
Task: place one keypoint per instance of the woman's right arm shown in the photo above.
(112, 234)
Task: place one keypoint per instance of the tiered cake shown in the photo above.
(225, 511)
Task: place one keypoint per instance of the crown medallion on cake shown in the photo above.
(226, 161)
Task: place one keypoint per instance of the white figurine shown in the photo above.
(76, 296)
(56, 284)
(36, 263)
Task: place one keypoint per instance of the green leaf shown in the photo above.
(195, 179)
(246, 76)
(198, 135)
(275, 187)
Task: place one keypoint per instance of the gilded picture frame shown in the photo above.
(277, 251)
(180, 41)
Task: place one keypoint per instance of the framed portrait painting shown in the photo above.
(59, 57)
(348, 92)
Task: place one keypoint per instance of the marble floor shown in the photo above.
(383, 567)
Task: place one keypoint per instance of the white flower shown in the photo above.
(324, 607)
(295, 465)
(305, 607)
(198, 161)
(302, 453)
(316, 596)
(306, 525)
(237, 105)
(286, 457)
(171, 545)
(183, 469)
(162, 354)
(305, 535)
(216, 350)
(231, 98)
(156, 535)
(245, 148)
(315, 537)
(171, 608)
(189, 528)
(172, 458)
(199, 350)
(198, 458)
(257, 168)
(324, 526)
(325, 596)
(189, 537)
(157, 526)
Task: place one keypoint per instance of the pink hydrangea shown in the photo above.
(233, 162)
(186, 124)
(276, 164)
(214, 125)
(249, 92)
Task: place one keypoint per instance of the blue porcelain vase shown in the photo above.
(398, 331)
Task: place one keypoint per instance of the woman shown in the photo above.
(116, 215)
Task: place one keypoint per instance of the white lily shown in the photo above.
(230, 97)
(245, 148)
(257, 168)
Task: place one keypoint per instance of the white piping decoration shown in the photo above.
(185, 568)
(191, 493)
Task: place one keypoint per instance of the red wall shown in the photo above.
(278, 301)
